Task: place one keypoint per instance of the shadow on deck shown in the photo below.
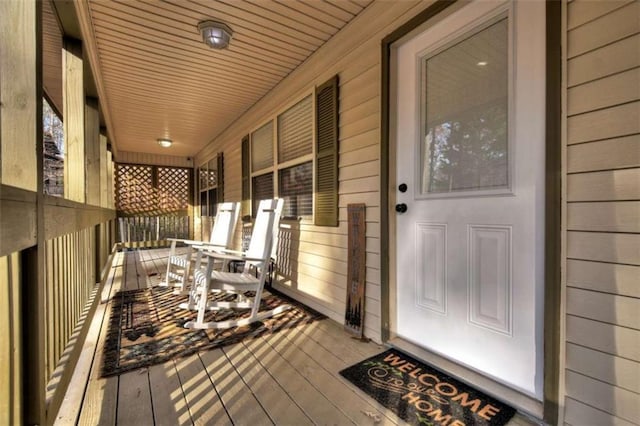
(290, 377)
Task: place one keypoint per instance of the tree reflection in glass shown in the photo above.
(465, 114)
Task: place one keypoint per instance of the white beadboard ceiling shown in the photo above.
(158, 79)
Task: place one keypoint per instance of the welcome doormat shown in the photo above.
(146, 327)
(423, 395)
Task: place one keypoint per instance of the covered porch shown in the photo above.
(286, 378)
(121, 127)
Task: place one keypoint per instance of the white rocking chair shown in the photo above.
(179, 266)
(256, 259)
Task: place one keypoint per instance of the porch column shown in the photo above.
(104, 183)
(19, 69)
(73, 116)
(92, 150)
(22, 388)
(110, 181)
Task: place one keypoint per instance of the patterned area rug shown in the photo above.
(423, 395)
(146, 327)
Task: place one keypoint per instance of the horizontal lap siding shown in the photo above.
(317, 270)
(602, 370)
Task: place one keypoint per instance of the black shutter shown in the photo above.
(326, 173)
(246, 177)
(220, 192)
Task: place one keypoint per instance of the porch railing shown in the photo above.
(151, 231)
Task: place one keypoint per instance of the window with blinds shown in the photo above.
(295, 161)
(210, 186)
(262, 148)
(295, 186)
(295, 131)
(303, 162)
(261, 189)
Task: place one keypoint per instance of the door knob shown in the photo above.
(402, 187)
(401, 208)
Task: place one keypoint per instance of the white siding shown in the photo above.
(602, 365)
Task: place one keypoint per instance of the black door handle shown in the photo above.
(401, 208)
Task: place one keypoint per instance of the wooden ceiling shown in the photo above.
(158, 79)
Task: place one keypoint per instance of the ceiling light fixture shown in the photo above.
(215, 34)
(482, 63)
(165, 143)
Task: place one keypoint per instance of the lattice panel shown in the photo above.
(151, 190)
(134, 189)
(173, 189)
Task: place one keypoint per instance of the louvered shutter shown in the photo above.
(246, 177)
(220, 194)
(326, 190)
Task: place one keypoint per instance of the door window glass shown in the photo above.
(464, 117)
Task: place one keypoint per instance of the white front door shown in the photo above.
(469, 110)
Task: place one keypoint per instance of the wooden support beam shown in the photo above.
(73, 117)
(92, 151)
(104, 184)
(18, 94)
(110, 181)
(18, 219)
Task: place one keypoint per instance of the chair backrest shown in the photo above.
(224, 224)
(265, 230)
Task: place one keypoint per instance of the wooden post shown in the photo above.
(104, 183)
(73, 101)
(18, 94)
(110, 181)
(21, 167)
(92, 151)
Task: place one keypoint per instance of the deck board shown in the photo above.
(241, 405)
(204, 403)
(332, 365)
(352, 405)
(134, 398)
(169, 404)
(315, 405)
(99, 405)
(280, 407)
(291, 377)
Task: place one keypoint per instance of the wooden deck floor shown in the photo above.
(289, 378)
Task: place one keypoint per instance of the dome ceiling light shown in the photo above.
(215, 34)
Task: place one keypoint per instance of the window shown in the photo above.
(465, 114)
(289, 173)
(210, 188)
(285, 158)
(295, 185)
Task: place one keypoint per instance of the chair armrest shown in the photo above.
(229, 251)
(183, 241)
(207, 245)
(225, 256)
